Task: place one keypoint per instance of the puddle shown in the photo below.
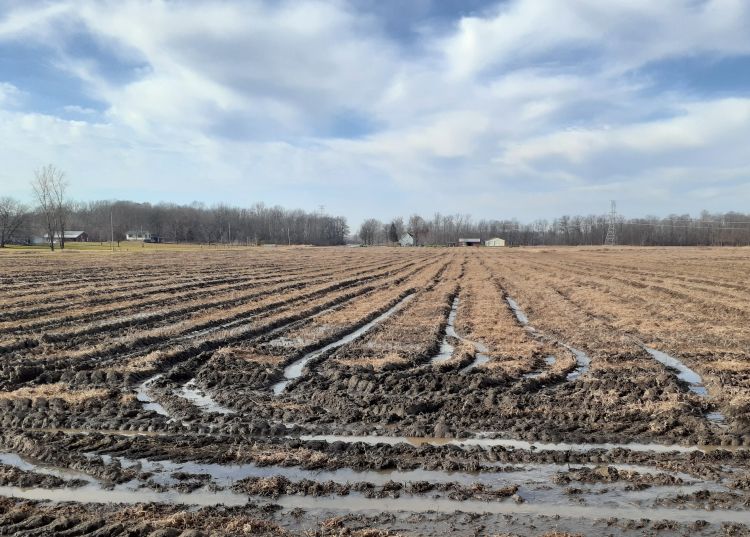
(549, 361)
(113, 432)
(141, 393)
(358, 503)
(535, 482)
(29, 465)
(93, 494)
(485, 442)
(294, 370)
(583, 362)
(202, 400)
(520, 315)
(446, 349)
(442, 505)
(479, 359)
(684, 373)
(534, 478)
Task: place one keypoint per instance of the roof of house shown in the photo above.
(495, 239)
(469, 240)
(68, 234)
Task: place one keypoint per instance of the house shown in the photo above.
(407, 239)
(138, 236)
(470, 242)
(495, 242)
(69, 236)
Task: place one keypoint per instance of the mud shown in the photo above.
(351, 395)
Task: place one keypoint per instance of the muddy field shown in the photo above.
(340, 391)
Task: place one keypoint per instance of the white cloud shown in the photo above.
(703, 126)
(533, 95)
(9, 95)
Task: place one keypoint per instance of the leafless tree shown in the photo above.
(418, 228)
(369, 230)
(62, 205)
(12, 214)
(49, 190)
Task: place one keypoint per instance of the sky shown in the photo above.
(375, 108)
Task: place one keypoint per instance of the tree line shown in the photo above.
(53, 214)
(708, 229)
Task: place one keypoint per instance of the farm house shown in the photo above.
(406, 240)
(138, 236)
(470, 242)
(495, 242)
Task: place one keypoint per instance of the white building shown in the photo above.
(138, 236)
(406, 240)
(495, 242)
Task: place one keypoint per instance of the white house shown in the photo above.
(495, 242)
(406, 240)
(138, 236)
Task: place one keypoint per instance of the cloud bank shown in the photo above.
(523, 108)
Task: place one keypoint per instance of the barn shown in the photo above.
(470, 242)
(495, 242)
(70, 236)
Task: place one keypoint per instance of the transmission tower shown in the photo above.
(611, 239)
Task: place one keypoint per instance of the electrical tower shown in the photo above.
(611, 239)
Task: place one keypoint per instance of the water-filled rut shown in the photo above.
(296, 369)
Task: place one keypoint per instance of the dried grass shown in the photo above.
(56, 391)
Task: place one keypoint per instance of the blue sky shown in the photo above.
(519, 108)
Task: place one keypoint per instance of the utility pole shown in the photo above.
(611, 239)
(111, 230)
(230, 233)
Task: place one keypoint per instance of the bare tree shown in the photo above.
(12, 215)
(62, 206)
(418, 228)
(396, 229)
(368, 231)
(45, 185)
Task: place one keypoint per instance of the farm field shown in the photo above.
(375, 391)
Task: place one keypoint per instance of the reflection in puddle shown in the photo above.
(684, 373)
(29, 465)
(520, 315)
(141, 393)
(199, 398)
(93, 494)
(583, 362)
(446, 349)
(294, 370)
(423, 505)
(500, 442)
(535, 481)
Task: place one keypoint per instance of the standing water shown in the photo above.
(294, 370)
(141, 393)
(446, 349)
(684, 373)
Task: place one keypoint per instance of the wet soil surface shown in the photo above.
(359, 414)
